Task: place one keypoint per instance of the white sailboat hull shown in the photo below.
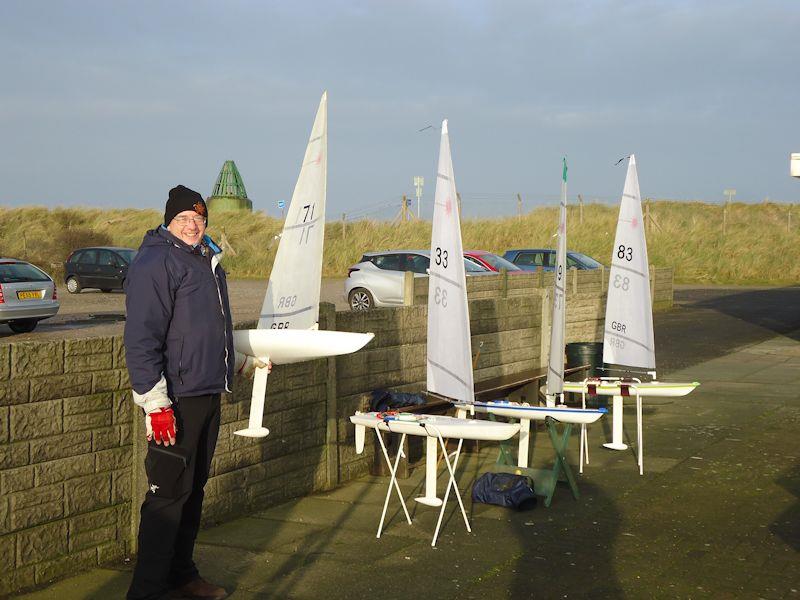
(438, 425)
(614, 388)
(515, 410)
(284, 346)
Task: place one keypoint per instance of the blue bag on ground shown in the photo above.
(382, 400)
(504, 489)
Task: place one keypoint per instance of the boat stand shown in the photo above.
(451, 483)
(544, 480)
(616, 442)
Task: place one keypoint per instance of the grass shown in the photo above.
(757, 247)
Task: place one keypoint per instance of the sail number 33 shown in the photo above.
(441, 257)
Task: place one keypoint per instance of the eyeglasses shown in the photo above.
(198, 220)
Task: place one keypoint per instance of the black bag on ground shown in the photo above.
(382, 400)
(504, 489)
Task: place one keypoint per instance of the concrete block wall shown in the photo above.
(65, 446)
(504, 285)
(248, 474)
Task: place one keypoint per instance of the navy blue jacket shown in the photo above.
(178, 318)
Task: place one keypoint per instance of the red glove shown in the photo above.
(161, 426)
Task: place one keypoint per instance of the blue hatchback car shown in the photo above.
(530, 259)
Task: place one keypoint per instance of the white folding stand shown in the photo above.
(433, 427)
(451, 468)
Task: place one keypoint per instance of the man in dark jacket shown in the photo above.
(180, 357)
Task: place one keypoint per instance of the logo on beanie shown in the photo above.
(199, 208)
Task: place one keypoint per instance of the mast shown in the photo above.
(555, 367)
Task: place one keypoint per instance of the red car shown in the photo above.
(491, 261)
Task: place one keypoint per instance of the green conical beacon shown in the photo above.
(229, 192)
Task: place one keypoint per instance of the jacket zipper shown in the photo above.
(224, 321)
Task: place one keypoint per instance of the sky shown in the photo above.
(111, 104)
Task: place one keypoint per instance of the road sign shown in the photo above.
(730, 193)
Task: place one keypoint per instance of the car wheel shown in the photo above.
(23, 325)
(73, 285)
(360, 300)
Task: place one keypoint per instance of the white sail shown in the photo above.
(292, 299)
(558, 321)
(449, 346)
(628, 338)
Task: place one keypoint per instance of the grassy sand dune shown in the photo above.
(758, 246)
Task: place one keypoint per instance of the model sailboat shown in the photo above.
(449, 357)
(628, 340)
(288, 325)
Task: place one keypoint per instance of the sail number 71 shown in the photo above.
(308, 216)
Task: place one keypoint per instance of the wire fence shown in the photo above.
(502, 204)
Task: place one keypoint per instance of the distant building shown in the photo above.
(229, 192)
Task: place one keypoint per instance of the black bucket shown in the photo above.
(586, 353)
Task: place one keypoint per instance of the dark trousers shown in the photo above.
(171, 512)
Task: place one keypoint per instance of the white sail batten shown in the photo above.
(293, 291)
(555, 368)
(628, 338)
(449, 345)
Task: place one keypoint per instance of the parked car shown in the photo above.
(27, 295)
(377, 279)
(491, 261)
(103, 267)
(530, 259)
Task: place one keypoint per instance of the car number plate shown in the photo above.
(30, 295)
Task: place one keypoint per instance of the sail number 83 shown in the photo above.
(623, 283)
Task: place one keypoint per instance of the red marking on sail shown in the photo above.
(448, 206)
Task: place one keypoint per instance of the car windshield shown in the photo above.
(19, 272)
(587, 261)
(471, 267)
(498, 262)
(128, 255)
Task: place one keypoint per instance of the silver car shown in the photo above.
(377, 279)
(27, 295)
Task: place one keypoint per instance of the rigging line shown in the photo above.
(621, 159)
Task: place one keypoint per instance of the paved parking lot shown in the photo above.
(93, 313)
